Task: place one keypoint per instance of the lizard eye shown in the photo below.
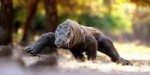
(68, 33)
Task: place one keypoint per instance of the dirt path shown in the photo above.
(67, 65)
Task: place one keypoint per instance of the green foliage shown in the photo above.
(39, 22)
(90, 20)
(98, 14)
(113, 21)
(63, 17)
(95, 13)
(105, 22)
(20, 14)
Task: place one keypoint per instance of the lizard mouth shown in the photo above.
(65, 46)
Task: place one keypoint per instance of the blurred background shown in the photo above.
(126, 22)
(122, 20)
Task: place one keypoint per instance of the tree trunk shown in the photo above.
(6, 22)
(51, 14)
(51, 17)
(32, 7)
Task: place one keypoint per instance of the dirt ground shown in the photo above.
(65, 64)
